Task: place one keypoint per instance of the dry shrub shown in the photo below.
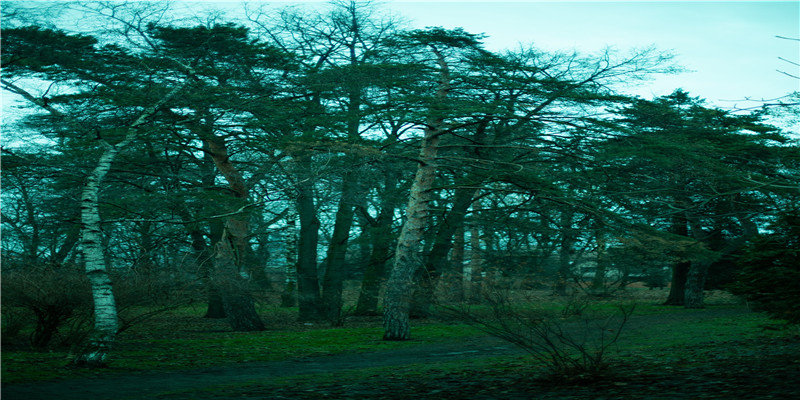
(572, 342)
(46, 302)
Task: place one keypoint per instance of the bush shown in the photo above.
(50, 301)
(52, 305)
(572, 348)
(771, 270)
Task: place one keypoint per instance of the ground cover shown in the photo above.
(723, 351)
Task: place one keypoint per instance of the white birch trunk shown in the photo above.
(106, 323)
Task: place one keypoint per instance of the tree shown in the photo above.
(55, 56)
(769, 269)
(689, 169)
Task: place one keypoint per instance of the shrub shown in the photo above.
(50, 298)
(572, 348)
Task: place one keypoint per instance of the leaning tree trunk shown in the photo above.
(399, 287)
(106, 322)
(397, 300)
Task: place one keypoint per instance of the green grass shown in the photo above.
(182, 339)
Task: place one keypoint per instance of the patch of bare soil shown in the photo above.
(744, 369)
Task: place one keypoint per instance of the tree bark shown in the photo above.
(399, 287)
(106, 321)
(380, 236)
(437, 257)
(289, 295)
(333, 281)
(233, 251)
(694, 296)
(308, 295)
(680, 270)
(237, 302)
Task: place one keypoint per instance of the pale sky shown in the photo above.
(730, 46)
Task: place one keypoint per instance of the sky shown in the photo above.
(730, 49)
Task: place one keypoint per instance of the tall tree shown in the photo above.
(690, 169)
(55, 56)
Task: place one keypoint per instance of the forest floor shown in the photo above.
(476, 367)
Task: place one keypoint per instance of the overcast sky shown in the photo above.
(730, 46)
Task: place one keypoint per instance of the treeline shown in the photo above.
(336, 145)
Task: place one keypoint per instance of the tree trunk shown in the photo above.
(565, 253)
(307, 280)
(233, 251)
(106, 321)
(380, 235)
(696, 276)
(475, 273)
(677, 290)
(333, 281)
(456, 276)
(397, 299)
(289, 295)
(695, 283)
(680, 271)
(443, 243)
(236, 299)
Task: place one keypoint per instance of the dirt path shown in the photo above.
(150, 385)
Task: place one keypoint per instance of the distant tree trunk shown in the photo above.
(437, 257)
(456, 276)
(289, 295)
(475, 265)
(565, 253)
(695, 284)
(677, 290)
(205, 268)
(696, 277)
(680, 270)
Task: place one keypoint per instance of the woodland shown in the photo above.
(336, 165)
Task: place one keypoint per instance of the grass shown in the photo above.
(680, 344)
(182, 339)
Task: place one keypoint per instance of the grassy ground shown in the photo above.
(663, 345)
